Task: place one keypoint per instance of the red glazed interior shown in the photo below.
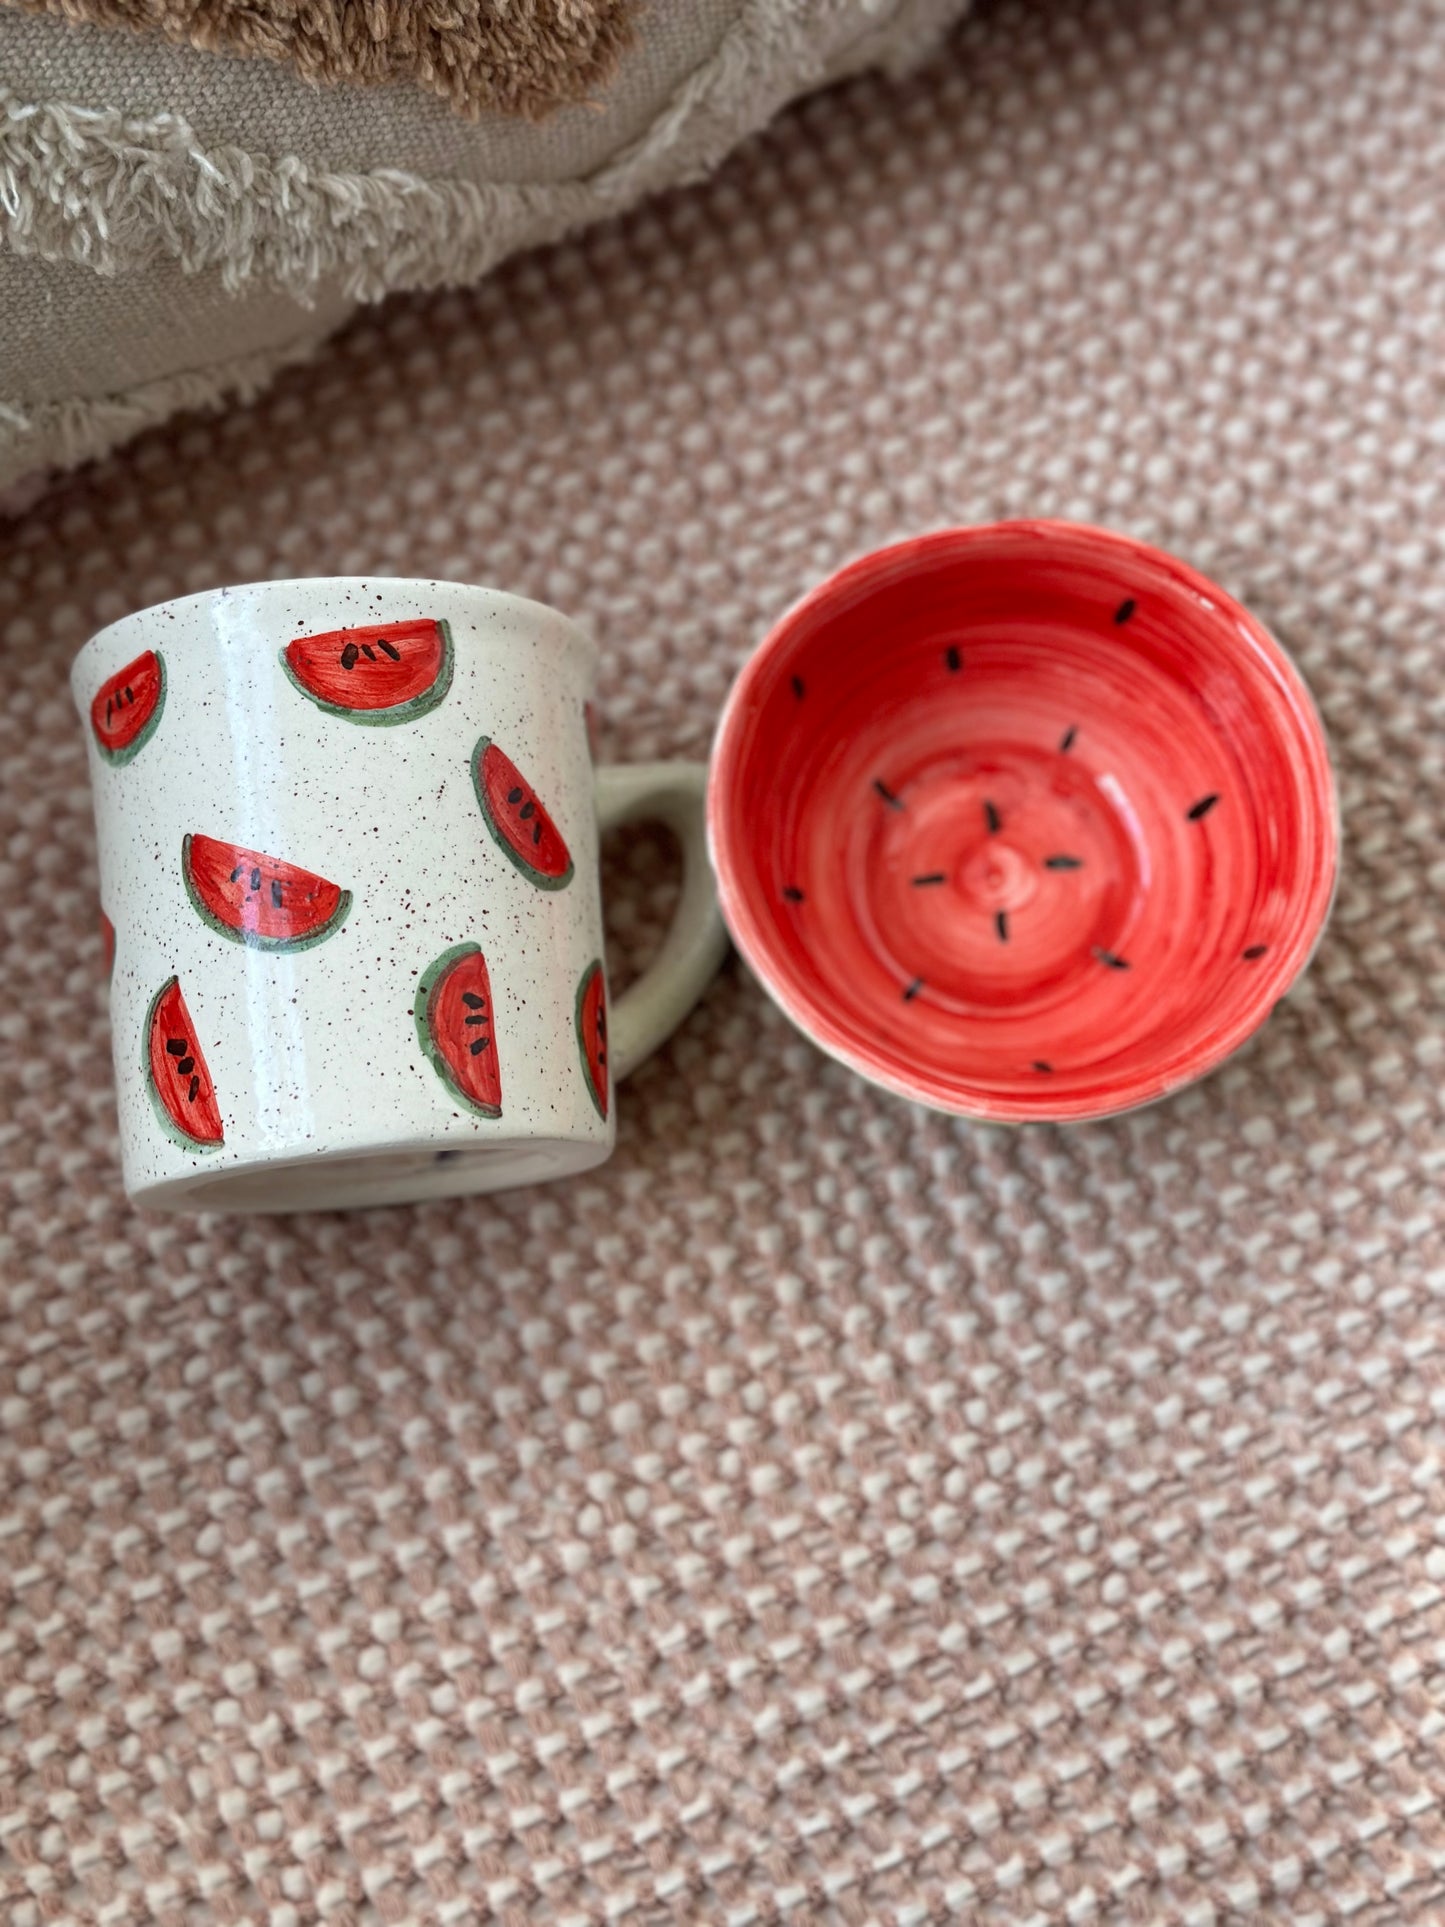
(1025, 821)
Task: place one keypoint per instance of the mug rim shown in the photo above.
(727, 837)
(524, 605)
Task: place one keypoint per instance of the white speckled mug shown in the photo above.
(348, 864)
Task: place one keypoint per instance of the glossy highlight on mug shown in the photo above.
(1029, 821)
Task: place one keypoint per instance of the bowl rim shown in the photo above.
(727, 841)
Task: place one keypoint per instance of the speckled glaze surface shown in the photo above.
(298, 870)
(1025, 821)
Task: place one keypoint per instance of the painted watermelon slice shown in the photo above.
(517, 818)
(592, 1033)
(387, 672)
(454, 1023)
(260, 900)
(107, 945)
(126, 709)
(176, 1074)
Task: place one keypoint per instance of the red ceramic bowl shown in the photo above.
(1029, 821)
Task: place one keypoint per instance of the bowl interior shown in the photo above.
(1024, 821)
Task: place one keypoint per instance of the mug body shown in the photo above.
(348, 847)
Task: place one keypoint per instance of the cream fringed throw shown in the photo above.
(178, 223)
(826, 1512)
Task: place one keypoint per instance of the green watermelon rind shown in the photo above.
(181, 1139)
(584, 984)
(408, 712)
(118, 758)
(504, 843)
(251, 939)
(429, 981)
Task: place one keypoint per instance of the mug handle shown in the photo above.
(648, 1011)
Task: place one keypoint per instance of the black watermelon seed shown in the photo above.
(792, 893)
(276, 892)
(953, 658)
(527, 811)
(933, 876)
(177, 1046)
(798, 688)
(479, 1017)
(992, 818)
(1108, 957)
(109, 707)
(479, 1045)
(382, 643)
(349, 656)
(255, 879)
(186, 1066)
(1041, 1065)
(473, 1001)
(236, 874)
(1063, 863)
(1255, 951)
(368, 652)
(537, 833)
(1000, 923)
(514, 796)
(889, 798)
(1125, 609)
(129, 693)
(1203, 806)
(912, 990)
(195, 1088)
(1066, 742)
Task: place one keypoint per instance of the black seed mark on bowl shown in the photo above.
(177, 1046)
(1066, 742)
(480, 1044)
(799, 688)
(186, 1066)
(1000, 923)
(912, 990)
(992, 818)
(893, 802)
(473, 1001)
(933, 876)
(387, 649)
(1203, 806)
(368, 652)
(1063, 863)
(1255, 952)
(350, 656)
(1125, 609)
(514, 796)
(953, 658)
(1040, 1064)
(1108, 957)
(792, 893)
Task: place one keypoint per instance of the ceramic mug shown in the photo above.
(1050, 824)
(348, 836)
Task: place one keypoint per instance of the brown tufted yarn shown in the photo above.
(828, 1511)
(498, 55)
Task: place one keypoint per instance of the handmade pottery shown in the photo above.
(348, 864)
(1027, 821)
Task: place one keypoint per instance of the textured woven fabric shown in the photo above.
(827, 1511)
